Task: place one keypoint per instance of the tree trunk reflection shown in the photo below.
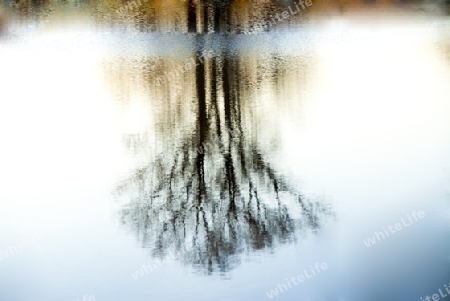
(215, 195)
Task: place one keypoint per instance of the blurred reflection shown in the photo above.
(204, 16)
(28, 12)
(209, 191)
(2, 22)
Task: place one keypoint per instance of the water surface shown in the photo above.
(143, 165)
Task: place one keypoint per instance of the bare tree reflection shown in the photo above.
(214, 195)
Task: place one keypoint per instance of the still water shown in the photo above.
(164, 166)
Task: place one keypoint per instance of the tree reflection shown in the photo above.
(213, 195)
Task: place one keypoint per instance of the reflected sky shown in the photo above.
(277, 152)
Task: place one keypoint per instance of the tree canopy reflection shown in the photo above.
(212, 194)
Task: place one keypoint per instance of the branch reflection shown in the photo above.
(212, 194)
